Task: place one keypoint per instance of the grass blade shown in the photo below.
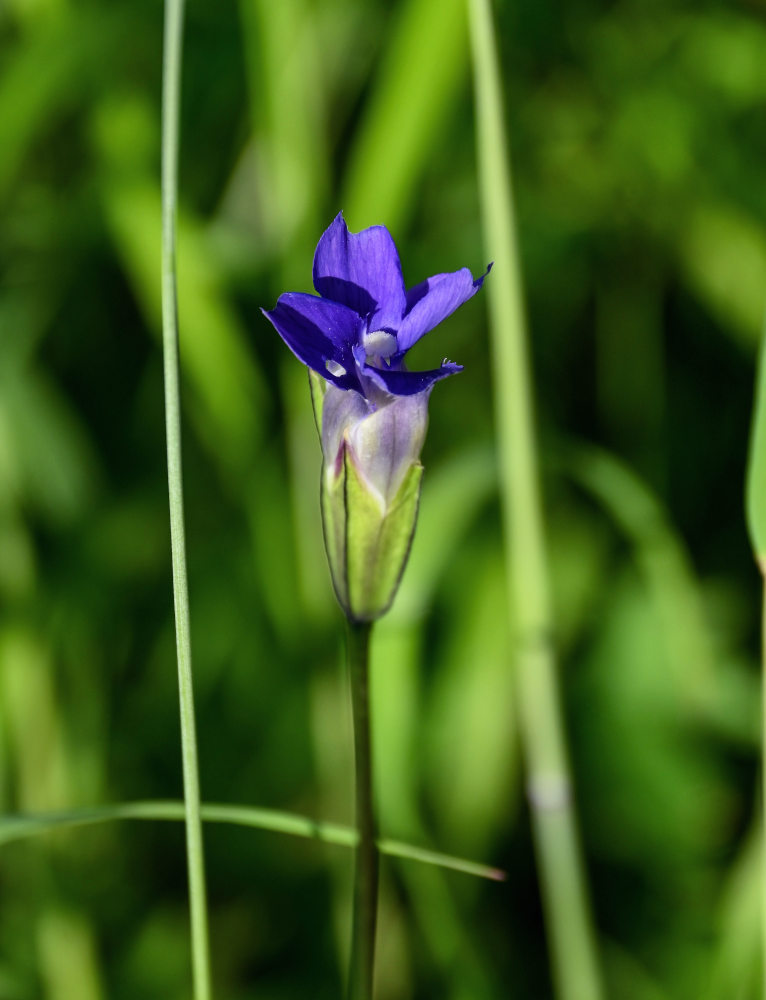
(756, 522)
(575, 969)
(755, 493)
(171, 85)
(413, 95)
(20, 827)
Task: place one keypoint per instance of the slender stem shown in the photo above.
(366, 874)
(171, 83)
(549, 783)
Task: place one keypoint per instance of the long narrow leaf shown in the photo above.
(21, 827)
(565, 897)
(756, 522)
(171, 97)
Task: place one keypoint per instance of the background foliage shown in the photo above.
(638, 132)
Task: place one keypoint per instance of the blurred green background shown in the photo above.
(639, 137)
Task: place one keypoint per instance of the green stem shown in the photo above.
(171, 83)
(366, 874)
(549, 783)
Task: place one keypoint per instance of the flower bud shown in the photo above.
(370, 491)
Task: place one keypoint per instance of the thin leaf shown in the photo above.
(20, 827)
(756, 465)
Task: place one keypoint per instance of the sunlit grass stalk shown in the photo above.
(171, 82)
(365, 909)
(755, 507)
(549, 786)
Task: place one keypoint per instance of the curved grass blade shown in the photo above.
(719, 694)
(20, 827)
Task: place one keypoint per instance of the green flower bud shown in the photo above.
(369, 492)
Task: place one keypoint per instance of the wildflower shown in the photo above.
(372, 412)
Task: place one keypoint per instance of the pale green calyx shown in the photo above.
(367, 547)
(369, 492)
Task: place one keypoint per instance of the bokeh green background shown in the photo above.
(639, 137)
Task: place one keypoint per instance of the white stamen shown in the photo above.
(334, 368)
(379, 344)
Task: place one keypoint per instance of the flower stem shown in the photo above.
(564, 891)
(366, 874)
(171, 83)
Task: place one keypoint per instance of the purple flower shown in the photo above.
(356, 333)
(372, 412)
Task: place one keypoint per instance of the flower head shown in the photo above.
(372, 412)
(356, 333)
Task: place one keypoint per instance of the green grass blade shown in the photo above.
(575, 968)
(756, 523)
(21, 827)
(722, 697)
(398, 849)
(171, 85)
(763, 785)
(756, 465)
(412, 98)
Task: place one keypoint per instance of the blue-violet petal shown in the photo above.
(362, 271)
(320, 333)
(432, 301)
(340, 410)
(403, 383)
(385, 444)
